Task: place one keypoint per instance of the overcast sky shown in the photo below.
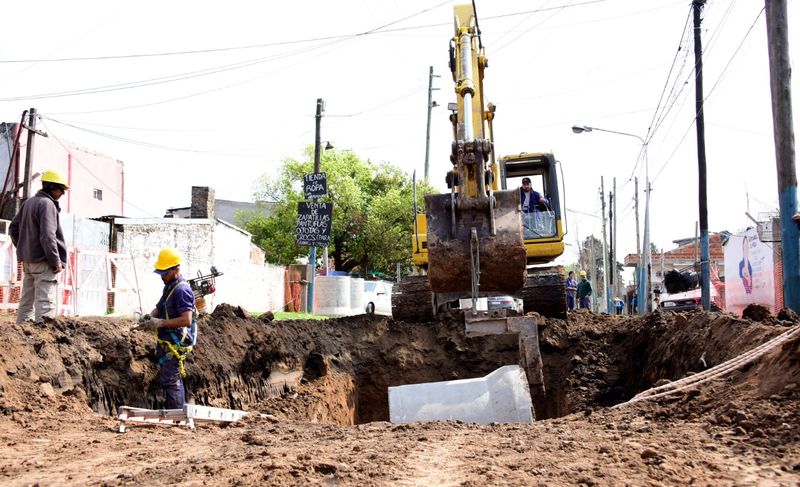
(244, 96)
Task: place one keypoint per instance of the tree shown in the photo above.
(372, 212)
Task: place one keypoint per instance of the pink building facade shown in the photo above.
(97, 181)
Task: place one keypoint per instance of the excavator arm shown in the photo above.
(474, 233)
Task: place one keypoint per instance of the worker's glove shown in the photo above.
(151, 324)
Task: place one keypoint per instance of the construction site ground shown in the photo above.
(324, 385)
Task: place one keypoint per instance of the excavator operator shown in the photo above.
(530, 200)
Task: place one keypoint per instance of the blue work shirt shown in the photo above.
(176, 299)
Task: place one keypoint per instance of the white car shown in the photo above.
(378, 298)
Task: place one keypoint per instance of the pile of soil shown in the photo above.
(324, 383)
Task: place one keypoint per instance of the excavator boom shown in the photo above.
(475, 240)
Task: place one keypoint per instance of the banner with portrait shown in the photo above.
(749, 272)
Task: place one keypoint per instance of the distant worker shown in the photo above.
(173, 321)
(37, 235)
(619, 305)
(572, 288)
(530, 200)
(635, 303)
(584, 292)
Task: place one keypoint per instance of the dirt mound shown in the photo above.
(325, 382)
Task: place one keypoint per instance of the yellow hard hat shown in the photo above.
(52, 176)
(167, 259)
(582, 273)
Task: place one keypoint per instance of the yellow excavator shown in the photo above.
(475, 241)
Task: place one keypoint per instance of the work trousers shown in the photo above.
(39, 297)
(169, 376)
(570, 302)
(586, 302)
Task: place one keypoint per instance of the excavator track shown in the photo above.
(412, 300)
(544, 292)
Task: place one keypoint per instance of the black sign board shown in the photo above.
(315, 185)
(314, 222)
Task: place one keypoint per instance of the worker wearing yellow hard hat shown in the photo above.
(55, 177)
(584, 292)
(173, 322)
(36, 233)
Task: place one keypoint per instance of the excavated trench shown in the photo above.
(338, 371)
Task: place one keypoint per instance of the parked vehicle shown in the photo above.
(378, 297)
(504, 302)
(687, 300)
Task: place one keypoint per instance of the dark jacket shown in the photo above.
(533, 201)
(584, 288)
(36, 231)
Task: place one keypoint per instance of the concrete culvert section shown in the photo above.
(326, 383)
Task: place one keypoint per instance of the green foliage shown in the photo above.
(372, 212)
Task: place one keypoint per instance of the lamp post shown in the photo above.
(644, 259)
(431, 105)
(328, 146)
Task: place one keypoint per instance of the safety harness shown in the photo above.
(178, 347)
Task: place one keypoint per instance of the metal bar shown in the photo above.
(177, 417)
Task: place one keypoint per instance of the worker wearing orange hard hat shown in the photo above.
(36, 233)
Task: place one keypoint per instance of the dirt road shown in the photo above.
(59, 382)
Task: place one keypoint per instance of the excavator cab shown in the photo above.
(543, 229)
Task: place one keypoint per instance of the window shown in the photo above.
(98, 194)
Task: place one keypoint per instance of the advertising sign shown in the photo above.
(749, 273)
(314, 222)
(315, 185)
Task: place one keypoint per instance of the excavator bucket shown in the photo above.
(451, 247)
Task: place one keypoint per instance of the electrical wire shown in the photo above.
(147, 144)
(669, 76)
(378, 30)
(163, 79)
(199, 93)
(78, 160)
(719, 79)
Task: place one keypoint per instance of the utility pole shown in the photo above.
(26, 189)
(605, 246)
(705, 257)
(780, 72)
(636, 274)
(611, 215)
(593, 270)
(614, 251)
(431, 104)
(312, 252)
(644, 301)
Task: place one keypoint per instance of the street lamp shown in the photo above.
(644, 259)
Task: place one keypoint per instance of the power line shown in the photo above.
(669, 75)
(234, 48)
(198, 93)
(377, 30)
(50, 132)
(163, 79)
(722, 74)
(147, 144)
